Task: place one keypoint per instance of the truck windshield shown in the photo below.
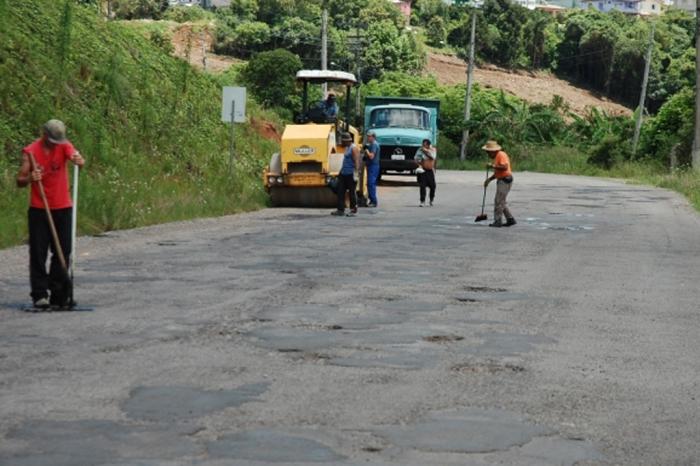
(399, 118)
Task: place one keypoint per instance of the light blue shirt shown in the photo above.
(348, 162)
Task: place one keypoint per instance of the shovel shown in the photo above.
(482, 216)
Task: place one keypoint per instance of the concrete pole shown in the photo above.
(696, 139)
(324, 46)
(358, 75)
(643, 94)
(468, 97)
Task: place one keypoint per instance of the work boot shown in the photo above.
(352, 212)
(510, 222)
(422, 204)
(496, 224)
(431, 203)
(41, 303)
(371, 204)
(338, 213)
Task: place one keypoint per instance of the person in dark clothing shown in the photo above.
(425, 158)
(51, 152)
(347, 178)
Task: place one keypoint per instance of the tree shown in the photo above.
(245, 10)
(298, 36)
(248, 38)
(389, 49)
(270, 76)
(436, 32)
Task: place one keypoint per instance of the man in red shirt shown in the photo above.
(51, 152)
(501, 172)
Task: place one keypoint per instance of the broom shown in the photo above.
(482, 216)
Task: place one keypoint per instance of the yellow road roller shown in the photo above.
(303, 173)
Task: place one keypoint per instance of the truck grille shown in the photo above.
(387, 151)
(304, 167)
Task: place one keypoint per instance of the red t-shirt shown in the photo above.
(55, 179)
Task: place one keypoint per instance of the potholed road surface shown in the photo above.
(404, 336)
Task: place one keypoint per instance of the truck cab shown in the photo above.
(401, 124)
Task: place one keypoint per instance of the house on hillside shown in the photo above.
(630, 7)
(553, 10)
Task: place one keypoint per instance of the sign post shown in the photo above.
(233, 111)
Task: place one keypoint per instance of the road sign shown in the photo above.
(233, 103)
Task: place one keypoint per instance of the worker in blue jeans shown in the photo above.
(371, 158)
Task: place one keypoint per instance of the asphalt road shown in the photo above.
(403, 336)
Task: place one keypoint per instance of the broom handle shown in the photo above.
(74, 219)
(52, 226)
(483, 201)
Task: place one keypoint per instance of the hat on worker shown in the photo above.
(371, 133)
(55, 131)
(346, 137)
(491, 146)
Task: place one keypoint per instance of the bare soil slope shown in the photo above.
(192, 45)
(534, 87)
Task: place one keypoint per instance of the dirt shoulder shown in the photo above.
(536, 87)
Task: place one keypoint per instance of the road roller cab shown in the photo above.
(311, 155)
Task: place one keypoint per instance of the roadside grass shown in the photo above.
(148, 124)
(572, 161)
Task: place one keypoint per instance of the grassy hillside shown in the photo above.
(148, 124)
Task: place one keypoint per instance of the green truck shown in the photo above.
(401, 124)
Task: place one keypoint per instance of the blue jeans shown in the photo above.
(372, 176)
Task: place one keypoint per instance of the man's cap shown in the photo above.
(491, 146)
(371, 133)
(346, 137)
(55, 131)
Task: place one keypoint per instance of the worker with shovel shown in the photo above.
(50, 214)
(504, 176)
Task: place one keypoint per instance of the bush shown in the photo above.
(270, 76)
(162, 40)
(610, 152)
(136, 9)
(184, 14)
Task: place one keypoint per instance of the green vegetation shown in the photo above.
(376, 27)
(148, 124)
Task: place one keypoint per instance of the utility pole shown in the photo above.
(355, 44)
(468, 97)
(324, 46)
(643, 95)
(696, 139)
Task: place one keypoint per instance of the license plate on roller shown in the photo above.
(304, 180)
(398, 157)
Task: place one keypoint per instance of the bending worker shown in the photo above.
(501, 172)
(371, 157)
(51, 152)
